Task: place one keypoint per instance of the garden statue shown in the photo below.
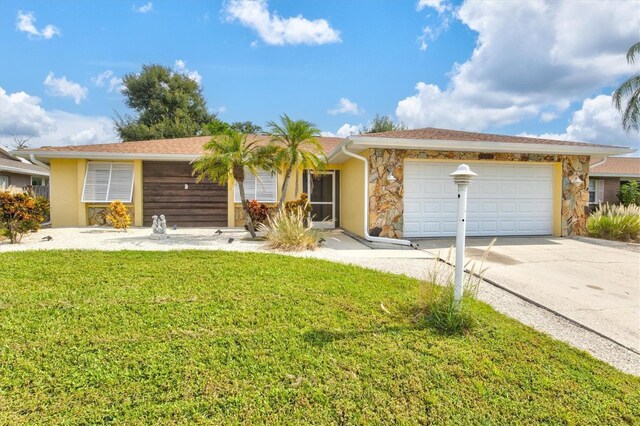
(159, 227)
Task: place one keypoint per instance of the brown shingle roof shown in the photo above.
(623, 166)
(179, 146)
(431, 133)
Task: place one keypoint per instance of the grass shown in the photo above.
(228, 338)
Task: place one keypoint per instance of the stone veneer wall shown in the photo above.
(97, 215)
(386, 199)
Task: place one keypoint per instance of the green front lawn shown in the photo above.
(217, 337)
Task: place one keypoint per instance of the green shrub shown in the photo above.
(436, 300)
(300, 203)
(21, 213)
(613, 222)
(287, 230)
(630, 193)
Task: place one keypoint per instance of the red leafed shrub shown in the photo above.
(258, 211)
(20, 214)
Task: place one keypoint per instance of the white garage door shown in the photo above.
(504, 199)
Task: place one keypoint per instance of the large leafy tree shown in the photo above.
(296, 146)
(229, 154)
(383, 123)
(168, 104)
(629, 91)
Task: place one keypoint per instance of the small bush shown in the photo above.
(20, 213)
(258, 212)
(287, 230)
(630, 193)
(437, 305)
(613, 222)
(118, 215)
(300, 203)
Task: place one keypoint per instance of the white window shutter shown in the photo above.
(599, 190)
(105, 182)
(121, 183)
(267, 190)
(96, 182)
(249, 187)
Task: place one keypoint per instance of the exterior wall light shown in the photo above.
(575, 180)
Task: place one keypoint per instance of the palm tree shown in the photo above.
(228, 154)
(295, 147)
(629, 90)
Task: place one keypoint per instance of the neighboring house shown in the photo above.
(18, 172)
(392, 184)
(606, 176)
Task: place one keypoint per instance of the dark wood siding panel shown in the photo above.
(163, 191)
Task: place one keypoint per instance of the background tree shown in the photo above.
(20, 142)
(296, 147)
(168, 104)
(228, 155)
(383, 123)
(246, 127)
(629, 91)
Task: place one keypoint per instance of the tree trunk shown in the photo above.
(297, 183)
(285, 186)
(239, 177)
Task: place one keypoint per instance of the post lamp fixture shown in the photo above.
(461, 177)
(390, 177)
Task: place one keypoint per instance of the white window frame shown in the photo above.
(597, 190)
(259, 187)
(107, 199)
(4, 182)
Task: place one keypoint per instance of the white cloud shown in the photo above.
(181, 67)
(345, 106)
(64, 88)
(109, 80)
(439, 5)
(531, 58)
(276, 30)
(597, 121)
(23, 115)
(25, 22)
(145, 8)
(344, 131)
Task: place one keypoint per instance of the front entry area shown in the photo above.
(169, 188)
(504, 199)
(323, 190)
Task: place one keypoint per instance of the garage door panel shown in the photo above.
(503, 200)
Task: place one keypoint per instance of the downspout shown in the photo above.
(366, 205)
(33, 159)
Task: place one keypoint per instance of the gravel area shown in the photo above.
(340, 248)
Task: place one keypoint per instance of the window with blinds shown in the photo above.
(263, 188)
(106, 182)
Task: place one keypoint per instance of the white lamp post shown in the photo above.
(461, 177)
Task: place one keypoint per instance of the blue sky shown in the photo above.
(502, 67)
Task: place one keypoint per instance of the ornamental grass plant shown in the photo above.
(615, 222)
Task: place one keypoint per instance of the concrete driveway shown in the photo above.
(594, 285)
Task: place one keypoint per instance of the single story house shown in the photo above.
(391, 185)
(606, 176)
(19, 172)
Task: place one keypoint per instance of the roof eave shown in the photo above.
(20, 171)
(46, 155)
(622, 175)
(364, 142)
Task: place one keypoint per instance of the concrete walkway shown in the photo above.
(554, 272)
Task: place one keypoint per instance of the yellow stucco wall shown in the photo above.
(352, 196)
(65, 192)
(67, 182)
